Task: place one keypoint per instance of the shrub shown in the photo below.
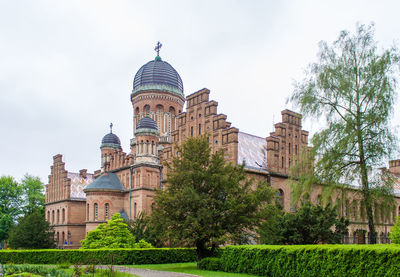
(313, 260)
(11, 269)
(210, 264)
(99, 256)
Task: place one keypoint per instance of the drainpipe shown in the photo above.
(130, 193)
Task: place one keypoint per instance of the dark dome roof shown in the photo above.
(106, 182)
(158, 72)
(147, 123)
(111, 138)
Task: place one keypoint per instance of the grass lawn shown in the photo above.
(189, 268)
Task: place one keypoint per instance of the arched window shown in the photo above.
(58, 216)
(134, 210)
(137, 110)
(147, 109)
(106, 211)
(58, 238)
(159, 108)
(279, 198)
(96, 211)
(87, 212)
(48, 216)
(63, 238)
(52, 217)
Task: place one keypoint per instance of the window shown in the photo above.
(58, 238)
(63, 215)
(63, 238)
(48, 216)
(290, 147)
(106, 211)
(279, 198)
(87, 212)
(52, 217)
(295, 149)
(283, 162)
(58, 216)
(96, 211)
(134, 210)
(191, 131)
(199, 129)
(147, 109)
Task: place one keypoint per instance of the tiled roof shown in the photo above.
(107, 182)
(252, 152)
(78, 184)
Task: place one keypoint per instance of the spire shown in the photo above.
(157, 49)
(111, 125)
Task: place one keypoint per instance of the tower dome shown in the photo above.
(158, 75)
(147, 123)
(110, 140)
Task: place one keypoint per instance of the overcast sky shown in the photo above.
(66, 67)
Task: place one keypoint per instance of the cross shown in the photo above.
(157, 48)
(111, 125)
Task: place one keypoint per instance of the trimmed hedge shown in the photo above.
(311, 260)
(99, 256)
(210, 263)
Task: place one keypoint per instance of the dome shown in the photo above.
(110, 141)
(147, 123)
(158, 75)
(106, 182)
(111, 138)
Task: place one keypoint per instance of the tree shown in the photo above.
(311, 224)
(394, 235)
(113, 234)
(353, 88)
(207, 201)
(32, 232)
(34, 197)
(143, 229)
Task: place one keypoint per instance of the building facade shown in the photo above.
(126, 181)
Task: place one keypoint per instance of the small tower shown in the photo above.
(109, 144)
(147, 137)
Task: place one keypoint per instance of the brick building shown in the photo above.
(78, 202)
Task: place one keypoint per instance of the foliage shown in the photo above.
(207, 200)
(113, 234)
(210, 263)
(394, 235)
(311, 224)
(313, 260)
(99, 256)
(143, 229)
(18, 199)
(32, 232)
(34, 197)
(10, 269)
(352, 87)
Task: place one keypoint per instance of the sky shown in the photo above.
(67, 67)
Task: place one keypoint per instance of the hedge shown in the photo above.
(309, 260)
(99, 256)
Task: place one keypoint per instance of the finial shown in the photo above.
(157, 48)
(111, 125)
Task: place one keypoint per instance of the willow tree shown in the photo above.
(352, 89)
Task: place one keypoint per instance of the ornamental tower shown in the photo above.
(157, 93)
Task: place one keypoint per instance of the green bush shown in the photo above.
(210, 264)
(11, 269)
(313, 260)
(99, 256)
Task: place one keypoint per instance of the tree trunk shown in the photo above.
(201, 250)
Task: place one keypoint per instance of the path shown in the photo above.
(149, 273)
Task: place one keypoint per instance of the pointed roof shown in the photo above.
(106, 182)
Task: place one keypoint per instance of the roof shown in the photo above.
(147, 123)
(158, 74)
(106, 182)
(252, 151)
(111, 140)
(78, 184)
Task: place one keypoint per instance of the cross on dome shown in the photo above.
(111, 125)
(158, 47)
